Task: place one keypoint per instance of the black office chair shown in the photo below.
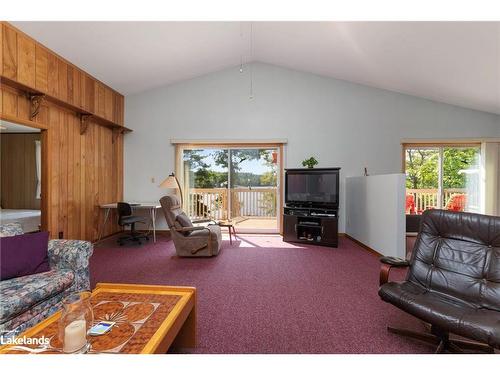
(125, 218)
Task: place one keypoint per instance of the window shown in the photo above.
(442, 176)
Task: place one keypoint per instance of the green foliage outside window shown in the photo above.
(204, 177)
(204, 174)
(422, 166)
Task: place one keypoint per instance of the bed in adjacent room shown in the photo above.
(29, 219)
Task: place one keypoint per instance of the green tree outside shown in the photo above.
(203, 176)
(422, 167)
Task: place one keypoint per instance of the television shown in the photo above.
(318, 187)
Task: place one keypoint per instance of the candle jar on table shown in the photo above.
(76, 320)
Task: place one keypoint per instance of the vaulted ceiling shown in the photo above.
(451, 62)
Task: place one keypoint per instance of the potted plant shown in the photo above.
(310, 163)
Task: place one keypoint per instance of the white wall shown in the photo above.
(375, 212)
(340, 123)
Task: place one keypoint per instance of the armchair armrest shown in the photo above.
(73, 255)
(189, 229)
(387, 263)
(203, 221)
(395, 261)
(203, 245)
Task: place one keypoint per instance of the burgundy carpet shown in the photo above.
(262, 295)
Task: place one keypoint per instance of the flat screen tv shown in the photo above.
(312, 187)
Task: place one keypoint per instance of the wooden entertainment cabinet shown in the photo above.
(311, 207)
(311, 225)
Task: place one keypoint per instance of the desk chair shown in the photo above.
(125, 218)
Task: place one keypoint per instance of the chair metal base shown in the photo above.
(121, 240)
(132, 237)
(443, 341)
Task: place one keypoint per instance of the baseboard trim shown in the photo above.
(366, 247)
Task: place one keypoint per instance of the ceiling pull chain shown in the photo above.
(251, 60)
(241, 54)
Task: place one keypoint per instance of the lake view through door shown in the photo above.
(236, 183)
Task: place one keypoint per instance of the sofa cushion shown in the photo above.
(21, 293)
(32, 316)
(23, 255)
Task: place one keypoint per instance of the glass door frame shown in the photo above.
(279, 146)
(439, 147)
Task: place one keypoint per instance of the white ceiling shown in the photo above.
(10, 127)
(451, 62)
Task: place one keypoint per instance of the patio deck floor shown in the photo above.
(256, 223)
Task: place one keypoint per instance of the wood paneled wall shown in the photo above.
(81, 169)
(29, 63)
(18, 171)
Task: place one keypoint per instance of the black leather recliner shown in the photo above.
(453, 281)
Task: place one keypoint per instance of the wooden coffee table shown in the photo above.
(149, 319)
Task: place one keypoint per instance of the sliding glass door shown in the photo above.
(442, 176)
(238, 184)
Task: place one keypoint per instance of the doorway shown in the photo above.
(21, 176)
(239, 183)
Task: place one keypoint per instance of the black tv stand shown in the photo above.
(311, 225)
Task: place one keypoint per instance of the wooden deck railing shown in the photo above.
(428, 198)
(245, 202)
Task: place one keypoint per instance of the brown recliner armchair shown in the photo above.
(453, 281)
(190, 241)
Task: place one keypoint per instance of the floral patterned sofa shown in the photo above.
(26, 300)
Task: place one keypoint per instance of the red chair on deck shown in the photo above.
(410, 204)
(457, 202)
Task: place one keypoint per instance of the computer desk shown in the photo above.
(150, 206)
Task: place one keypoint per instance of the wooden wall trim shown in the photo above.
(225, 142)
(21, 121)
(27, 65)
(40, 45)
(282, 187)
(450, 141)
(29, 92)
